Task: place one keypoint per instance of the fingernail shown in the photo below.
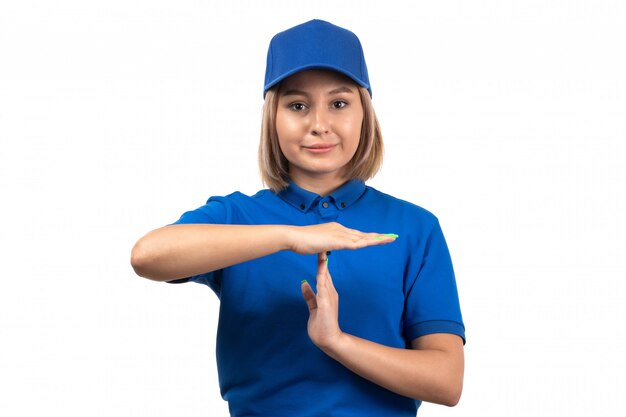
(393, 235)
(378, 238)
(303, 281)
(326, 261)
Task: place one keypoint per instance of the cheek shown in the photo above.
(286, 126)
(356, 128)
(352, 128)
(285, 133)
(280, 123)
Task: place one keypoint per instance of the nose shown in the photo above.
(320, 123)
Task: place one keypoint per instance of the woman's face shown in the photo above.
(318, 122)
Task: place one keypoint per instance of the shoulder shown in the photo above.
(238, 198)
(399, 206)
(248, 209)
(226, 208)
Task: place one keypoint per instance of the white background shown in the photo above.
(506, 119)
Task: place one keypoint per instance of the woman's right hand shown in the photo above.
(184, 250)
(307, 240)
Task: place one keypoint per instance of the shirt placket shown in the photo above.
(327, 210)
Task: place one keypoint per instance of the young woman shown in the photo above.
(382, 331)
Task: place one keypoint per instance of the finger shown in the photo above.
(363, 243)
(375, 239)
(322, 263)
(322, 276)
(329, 282)
(382, 236)
(309, 295)
(357, 233)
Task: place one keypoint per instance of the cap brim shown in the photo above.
(315, 66)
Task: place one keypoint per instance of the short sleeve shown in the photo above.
(432, 301)
(215, 211)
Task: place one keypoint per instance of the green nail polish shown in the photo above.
(326, 261)
(393, 235)
(303, 281)
(378, 238)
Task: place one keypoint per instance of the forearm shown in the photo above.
(184, 250)
(426, 374)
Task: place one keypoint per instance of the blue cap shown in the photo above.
(315, 44)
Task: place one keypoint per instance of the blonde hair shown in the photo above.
(274, 167)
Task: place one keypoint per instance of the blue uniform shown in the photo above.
(389, 294)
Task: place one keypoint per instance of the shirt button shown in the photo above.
(325, 204)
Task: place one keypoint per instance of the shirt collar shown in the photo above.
(343, 197)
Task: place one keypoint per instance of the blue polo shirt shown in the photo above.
(389, 294)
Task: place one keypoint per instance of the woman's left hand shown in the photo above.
(323, 325)
(431, 370)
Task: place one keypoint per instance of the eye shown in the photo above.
(339, 104)
(297, 106)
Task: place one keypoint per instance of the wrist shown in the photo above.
(286, 237)
(336, 345)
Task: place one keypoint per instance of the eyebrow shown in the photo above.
(296, 92)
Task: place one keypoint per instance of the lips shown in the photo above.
(320, 148)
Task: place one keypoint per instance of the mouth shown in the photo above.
(320, 148)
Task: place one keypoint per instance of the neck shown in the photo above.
(319, 185)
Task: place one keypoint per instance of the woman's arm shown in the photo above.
(184, 250)
(432, 370)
